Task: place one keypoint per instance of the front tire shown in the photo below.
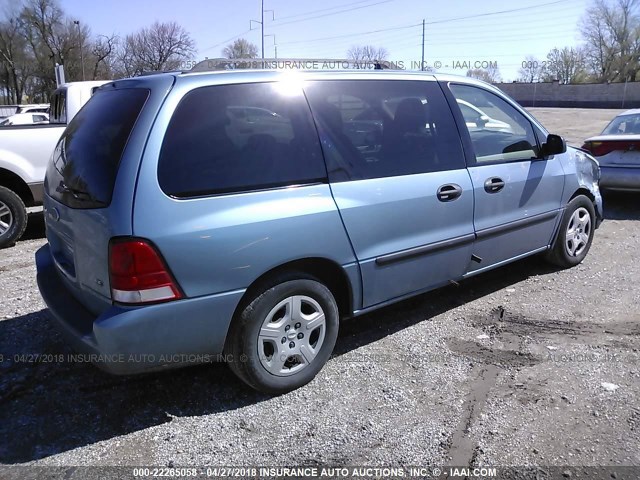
(284, 335)
(13, 217)
(575, 234)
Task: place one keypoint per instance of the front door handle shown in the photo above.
(493, 185)
(449, 192)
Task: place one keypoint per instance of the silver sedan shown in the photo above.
(617, 149)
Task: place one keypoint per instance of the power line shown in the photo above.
(310, 18)
(466, 39)
(436, 22)
(388, 39)
(329, 14)
(499, 12)
(499, 39)
(514, 23)
(371, 32)
(351, 34)
(406, 40)
(375, 39)
(226, 41)
(323, 10)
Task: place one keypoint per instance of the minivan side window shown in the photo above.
(235, 138)
(384, 128)
(499, 132)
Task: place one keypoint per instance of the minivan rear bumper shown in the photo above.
(127, 340)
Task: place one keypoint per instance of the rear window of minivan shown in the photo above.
(84, 165)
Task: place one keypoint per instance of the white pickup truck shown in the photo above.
(24, 153)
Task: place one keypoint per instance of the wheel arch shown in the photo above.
(597, 205)
(583, 191)
(328, 272)
(16, 184)
(557, 254)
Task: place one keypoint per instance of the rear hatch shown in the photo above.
(90, 184)
(615, 150)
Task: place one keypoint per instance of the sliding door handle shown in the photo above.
(449, 192)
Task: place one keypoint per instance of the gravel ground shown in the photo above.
(506, 369)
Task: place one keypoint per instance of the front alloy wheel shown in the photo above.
(578, 232)
(575, 233)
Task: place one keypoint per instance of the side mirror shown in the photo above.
(554, 145)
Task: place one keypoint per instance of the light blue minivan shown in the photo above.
(239, 215)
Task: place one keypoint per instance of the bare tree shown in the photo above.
(241, 48)
(366, 56)
(611, 31)
(103, 52)
(531, 70)
(35, 35)
(489, 75)
(565, 66)
(17, 64)
(160, 47)
(52, 38)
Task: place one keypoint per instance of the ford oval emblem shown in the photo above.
(54, 214)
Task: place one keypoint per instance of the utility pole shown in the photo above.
(422, 63)
(261, 22)
(77, 22)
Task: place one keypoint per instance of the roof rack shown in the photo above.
(223, 64)
(160, 72)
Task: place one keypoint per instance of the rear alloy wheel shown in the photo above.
(284, 336)
(292, 335)
(13, 217)
(575, 233)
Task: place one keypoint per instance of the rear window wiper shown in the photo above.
(78, 194)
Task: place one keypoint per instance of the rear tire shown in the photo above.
(13, 217)
(284, 335)
(575, 234)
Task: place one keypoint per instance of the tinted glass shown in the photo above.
(59, 107)
(85, 162)
(623, 125)
(384, 128)
(469, 114)
(499, 132)
(234, 138)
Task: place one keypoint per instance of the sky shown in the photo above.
(327, 29)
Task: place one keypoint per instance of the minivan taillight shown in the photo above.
(138, 274)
